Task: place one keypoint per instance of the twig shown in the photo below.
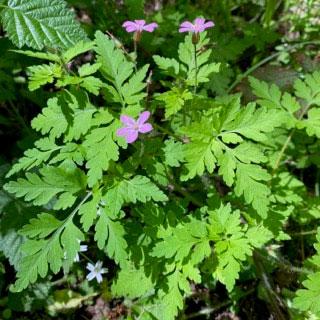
(273, 297)
(267, 59)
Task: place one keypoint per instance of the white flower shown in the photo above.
(96, 271)
(83, 248)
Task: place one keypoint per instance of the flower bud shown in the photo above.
(195, 37)
(137, 36)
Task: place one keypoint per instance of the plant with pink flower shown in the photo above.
(199, 25)
(138, 26)
(133, 127)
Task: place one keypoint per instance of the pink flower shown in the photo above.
(199, 25)
(132, 127)
(139, 26)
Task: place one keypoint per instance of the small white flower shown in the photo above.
(83, 248)
(96, 271)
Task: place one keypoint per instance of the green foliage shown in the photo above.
(186, 69)
(113, 232)
(210, 147)
(100, 150)
(233, 243)
(42, 252)
(139, 188)
(43, 74)
(125, 87)
(39, 23)
(62, 184)
(307, 299)
(131, 282)
(173, 153)
(187, 57)
(174, 100)
(209, 196)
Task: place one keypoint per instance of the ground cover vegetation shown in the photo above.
(160, 159)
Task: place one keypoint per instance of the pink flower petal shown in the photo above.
(186, 26)
(147, 127)
(208, 24)
(128, 23)
(140, 22)
(144, 116)
(132, 136)
(128, 121)
(150, 27)
(123, 132)
(132, 29)
(130, 26)
(199, 21)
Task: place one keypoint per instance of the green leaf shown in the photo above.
(112, 232)
(200, 156)
(52, 120)
(174, 154)
(42, 226)
(100, 149)
(139, 188)
(132, 91)
(170, 66)
(250, 181)
(39, 23)
(89, 211)
(170, 297)
(308, 299)
(187, 57)
(92, 85)
(40, 55)
(88, 69)
(232, 244)
(131, 282)
(181, 241)
(79, 48)
(43, 74)
(117, 69)
(269, 95)
(53, 182)
(253, 123)
(68, 113)
(34, 157)
(174, 100)
(312, 123)
(309, 89)
(41, 253)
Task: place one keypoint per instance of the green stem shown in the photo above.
(169, 133)
(196, 69)
(284, 264)
(273, 298)
(288, 140)
(20, 118)
(267, 59)
(86, 257)
(316, 186)
(253, 68)
(208, 311)
(186, 194)
(303, 233)
(135, 48)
